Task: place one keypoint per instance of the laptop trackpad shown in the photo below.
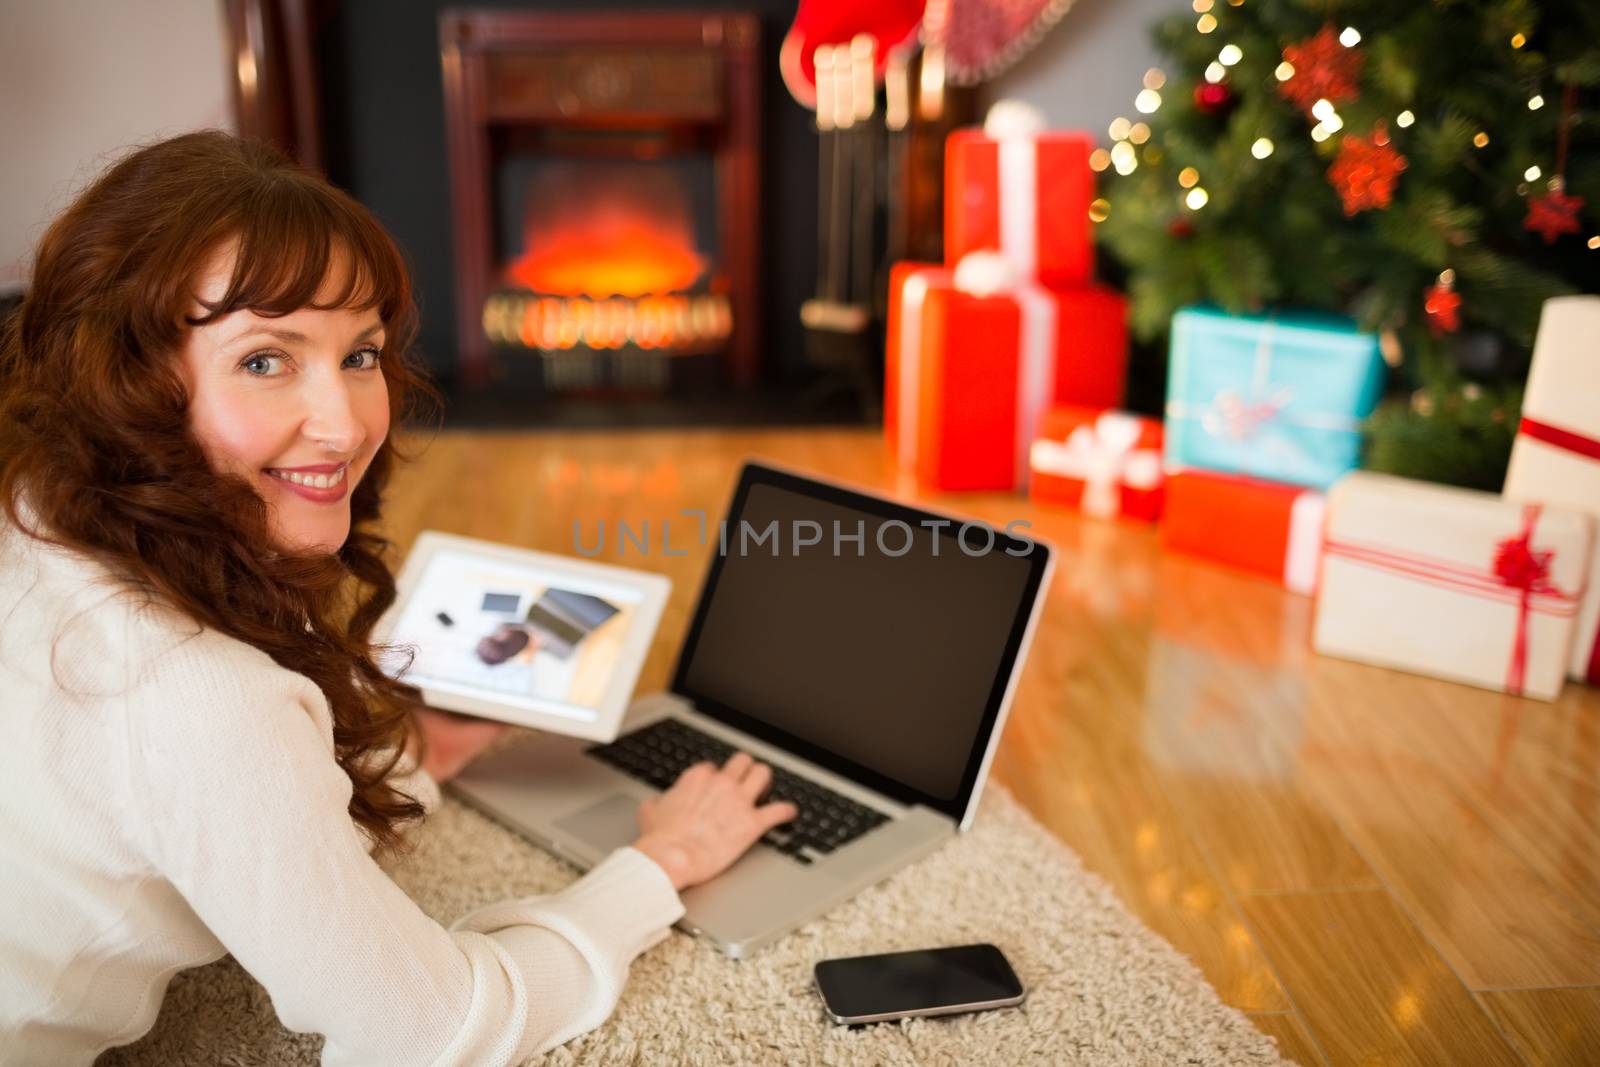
(607, 824)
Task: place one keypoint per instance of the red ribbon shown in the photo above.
(1582, 445)
(1517, 575)
(1570, 440)
(1521, 568)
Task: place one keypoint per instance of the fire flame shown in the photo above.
(600, 231)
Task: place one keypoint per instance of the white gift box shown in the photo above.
(1556, 457)
(1453, 583)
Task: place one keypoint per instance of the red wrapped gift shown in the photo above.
(970, 369)
(1024, 193)
(1249, 524)
(1105, 463)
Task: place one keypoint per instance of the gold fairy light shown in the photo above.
(1118, 129)
(1480, 139)
(1262, 148)
(1188, 176)
(1532, 173)
(1122, 158)
(1320, 133)
(1099, 159)
(1196, 199)
(1154, 78)
(1147, 101)
(1139, 133)
(1099, 210)
(1284, 71)
(1518, 40)
(1594, 242)
(1535, 102)
(1206, 23)
(1230, 54)
(1404, 119)
(1350, 37)
(1202, 6)
(1216, 72)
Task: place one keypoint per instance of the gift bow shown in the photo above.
(1234, 417)
(1519, 567)
(1104, 456)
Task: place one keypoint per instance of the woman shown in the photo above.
(195, 400)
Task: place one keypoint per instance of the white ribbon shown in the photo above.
(1304, 551)
(1019, 203)
(1104, 457)
(1036, 369)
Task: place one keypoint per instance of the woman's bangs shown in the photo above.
(304, 251)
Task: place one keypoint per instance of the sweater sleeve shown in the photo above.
(241, 806)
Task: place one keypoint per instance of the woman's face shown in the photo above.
(295, 404)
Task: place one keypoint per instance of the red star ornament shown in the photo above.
(1443, 307)
(1553, 214)
(1365, 172)
(1324, 69)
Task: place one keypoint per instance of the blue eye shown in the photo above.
(368, 351)
(257, 358)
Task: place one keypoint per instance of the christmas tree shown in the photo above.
(1431, 169)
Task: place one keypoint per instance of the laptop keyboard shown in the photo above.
(658, 753)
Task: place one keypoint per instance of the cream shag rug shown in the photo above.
(1102, 989)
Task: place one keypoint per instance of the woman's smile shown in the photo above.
(326, 484)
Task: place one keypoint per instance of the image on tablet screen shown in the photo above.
(513, 634)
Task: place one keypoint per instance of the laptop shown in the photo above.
(864, 649)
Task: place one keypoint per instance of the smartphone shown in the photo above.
(932, 981)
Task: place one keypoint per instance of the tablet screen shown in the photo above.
(513, 633)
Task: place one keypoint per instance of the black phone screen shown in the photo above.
(917, 981)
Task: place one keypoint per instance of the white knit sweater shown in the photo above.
(169, 794)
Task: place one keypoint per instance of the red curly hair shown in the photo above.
(95, 435)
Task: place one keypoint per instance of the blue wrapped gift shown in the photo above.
(1279, 396)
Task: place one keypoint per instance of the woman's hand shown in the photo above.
(697, 828)
(453, 741)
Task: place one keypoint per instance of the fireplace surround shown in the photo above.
(604, 173)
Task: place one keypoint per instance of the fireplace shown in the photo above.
(604, 197)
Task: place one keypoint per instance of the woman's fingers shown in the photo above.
(755, 781)
(703, 769)
(738, 764)
(775, 814)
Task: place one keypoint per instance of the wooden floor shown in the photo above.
(1378, 868)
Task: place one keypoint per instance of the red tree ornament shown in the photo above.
(1553, 213)
(1365, 171)
(1443, 305)
(1324, 69)
(1211, 98)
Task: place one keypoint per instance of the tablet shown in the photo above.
(531, 638)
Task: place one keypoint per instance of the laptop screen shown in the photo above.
(874, 639)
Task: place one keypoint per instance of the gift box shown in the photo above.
(1556, 456)
(1279, 396)
(1454, 583)
(1106, 463)
(1265, 528)
(972, 361)
(1023, 192)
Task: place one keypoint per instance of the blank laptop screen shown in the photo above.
(885, 655)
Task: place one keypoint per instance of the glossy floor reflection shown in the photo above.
(1380, 868)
